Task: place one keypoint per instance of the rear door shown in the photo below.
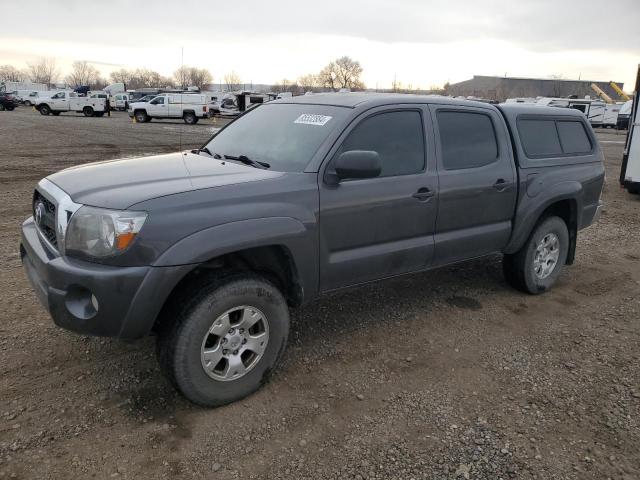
(477, 180)
(379, 227)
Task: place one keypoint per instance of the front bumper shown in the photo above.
(95, 299)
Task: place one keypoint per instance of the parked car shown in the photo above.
(624, 114)
(190, 107)
(8, 101)
(93, 105)
(295, 199)
(28, 97)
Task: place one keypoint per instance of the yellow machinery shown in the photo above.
(619, 91)
(601, 93)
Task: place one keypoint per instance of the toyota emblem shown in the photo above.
(39, 211)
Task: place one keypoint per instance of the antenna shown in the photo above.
(182, 88)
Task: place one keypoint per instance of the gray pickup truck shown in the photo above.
(209, 249)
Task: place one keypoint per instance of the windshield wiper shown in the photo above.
(247, 161)
(207, 151)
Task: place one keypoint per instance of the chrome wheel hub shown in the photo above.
(546, 256)
(234, 343)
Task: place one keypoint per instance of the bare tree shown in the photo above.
(309, 81)
(9, 73)
(327, 76)
(232, 81)
(44, 71)
(181, 76)
(83, 73)
(122, 76)
(347, 73)
(199, 77)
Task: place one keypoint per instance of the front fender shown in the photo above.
(260, 232)
(531, 208)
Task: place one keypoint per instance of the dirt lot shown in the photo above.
(443, 375)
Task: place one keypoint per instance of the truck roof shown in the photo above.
(371, 99)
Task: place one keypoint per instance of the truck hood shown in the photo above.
(119, 184)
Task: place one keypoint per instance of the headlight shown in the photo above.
(102, 233)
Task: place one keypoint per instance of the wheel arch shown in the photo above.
(565, 204)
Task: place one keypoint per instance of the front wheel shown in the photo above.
(88, 111)
(45, 110)
(141, 116)
(220, 344)
(28, 103)
(537, 265)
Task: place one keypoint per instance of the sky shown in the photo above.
(422, 43)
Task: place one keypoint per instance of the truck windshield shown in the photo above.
(285, 136)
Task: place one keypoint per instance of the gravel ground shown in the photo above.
(449, 374)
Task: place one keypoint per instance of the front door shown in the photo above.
(379, 227)
(157, 107)
(477, 180)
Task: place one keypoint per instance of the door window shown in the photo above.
(398, 137)
(467, 139)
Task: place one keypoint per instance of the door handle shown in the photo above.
(501, 185)
(423, 194)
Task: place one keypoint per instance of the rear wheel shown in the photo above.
(537, 265)
(220, 344)
(88, 111)
(141, 116)
(45, 110)
(190, 118)
(10, 108)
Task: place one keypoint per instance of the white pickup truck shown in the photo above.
(65, 101)
(190, 107)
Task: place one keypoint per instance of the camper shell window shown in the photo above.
(549, 137)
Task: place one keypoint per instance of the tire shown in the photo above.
(184, 334)
(190, 118)
(28, 103)
(521, 270)
(10, 108)
(88, 111)
(141, 116)
(44, 109)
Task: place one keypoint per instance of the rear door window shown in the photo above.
(467, 139)
(573, 137)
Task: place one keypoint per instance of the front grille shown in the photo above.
(46, 220)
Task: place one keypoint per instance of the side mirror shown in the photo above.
(358, 164)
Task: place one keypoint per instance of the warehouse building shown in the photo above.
(501, 88)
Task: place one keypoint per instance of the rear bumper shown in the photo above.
(591, 214)
(95, 299)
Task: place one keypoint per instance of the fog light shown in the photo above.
(81, 303)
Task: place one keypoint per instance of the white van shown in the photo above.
(191, 107)
(120, 101)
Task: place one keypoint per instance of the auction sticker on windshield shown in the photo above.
(313, 119)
